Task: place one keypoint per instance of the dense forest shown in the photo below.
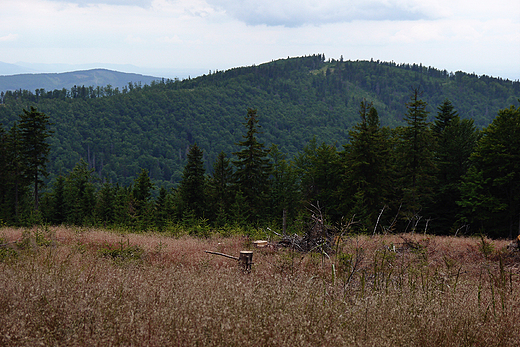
(118, 131)
(385, 147)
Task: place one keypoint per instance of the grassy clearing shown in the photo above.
(64, 286)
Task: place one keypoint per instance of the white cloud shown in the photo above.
(140, 3)
(294, 13)
(170, 39)
(9, 37)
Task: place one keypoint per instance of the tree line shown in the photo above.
(441, 177)
(153, 126)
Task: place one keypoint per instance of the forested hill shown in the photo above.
(51, 81)
(120, 130)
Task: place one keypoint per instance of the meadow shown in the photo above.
(64, 286)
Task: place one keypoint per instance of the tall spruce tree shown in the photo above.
(5, 199)
(455, 141)
(491, 189)
(141, 194)
(220, 190)
(368, 168)
(253, 168)
(16, 169)
(34, 133)
(80, 197)
(415, 162)
(192, 188)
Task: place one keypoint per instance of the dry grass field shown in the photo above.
(81, 287)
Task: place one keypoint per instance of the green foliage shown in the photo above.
(118, 132)
(35, 148)
(319, 176)
(491, 188)
(79, 197)
(192, 188)
(455, 141)
(253, 168)
(112, 148)
(415, 159)
(220, 190)
(367, 168)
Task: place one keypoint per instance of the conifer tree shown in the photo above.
(253, 168)
(491, 189)
(5, 199)
(455, 141)
(367, 167)
(34, 134)
(80, 198)
(163, 208)
(106, 203)
(416, 166)
(192, 188)
(17, 180)
(220, 190)
(141, 194)
(142, 191)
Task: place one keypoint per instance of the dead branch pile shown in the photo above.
(318, 236)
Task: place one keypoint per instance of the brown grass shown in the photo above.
(395, 290)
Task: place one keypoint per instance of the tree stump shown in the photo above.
(246, 260)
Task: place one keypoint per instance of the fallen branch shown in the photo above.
(222, 254)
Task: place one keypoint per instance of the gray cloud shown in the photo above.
(294, 13)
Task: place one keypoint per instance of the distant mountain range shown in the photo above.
(14, 76)
(52, 81)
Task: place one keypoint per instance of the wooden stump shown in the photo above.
(246, 260)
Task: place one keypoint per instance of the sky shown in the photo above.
(481, 37)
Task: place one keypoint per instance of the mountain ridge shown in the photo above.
(93, 77)
(298, 99)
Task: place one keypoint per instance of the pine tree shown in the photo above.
(163, 208)
(80, 198)
(367, 167)
(493, 183)
(15, 169)
(445, 116)
(416, 166)
(34, 134)
(141, 194)
(142, 191)
(5, 198)
(192, 188)
(220, 190)
(455, 141)
(253, 168)
(106, 204)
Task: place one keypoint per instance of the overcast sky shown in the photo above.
(468, 35)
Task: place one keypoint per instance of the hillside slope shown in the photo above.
(151, 127)
(51, 81)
